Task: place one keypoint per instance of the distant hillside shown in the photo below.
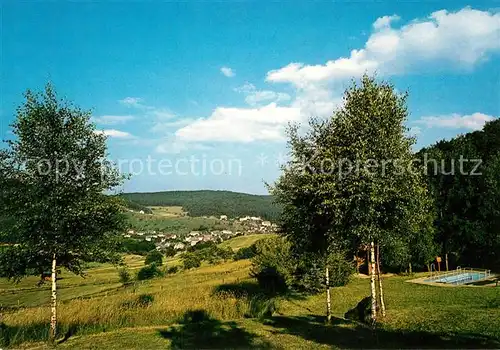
(136, 206)
(200, 203)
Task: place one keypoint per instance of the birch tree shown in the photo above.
(53, 179)
(351, 177)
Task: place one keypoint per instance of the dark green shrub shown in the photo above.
(154, 256)
(169, 251)
(216, 254)
(201, 245)
(245, 253)
(272, 265)
(172, 269)
(361, 312)
(309, 275)
(191, 260)
(149, 272)
(136, 246)
(145, 300)
(341, 269)
(124, 276)
(272, 281)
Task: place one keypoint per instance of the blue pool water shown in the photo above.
(462, 278)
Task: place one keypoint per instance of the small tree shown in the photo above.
(53, 179)
(191, 260)
(154, 256)
(169, 251)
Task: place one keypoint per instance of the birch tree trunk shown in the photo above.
(381, 290)
(53, 317)
(328, 300)
(372, 282)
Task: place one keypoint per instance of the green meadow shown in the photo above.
(214, 307)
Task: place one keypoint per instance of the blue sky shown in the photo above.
(208, 88)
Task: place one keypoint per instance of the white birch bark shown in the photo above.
(53, 317)
(372, 282)
(381, 290)
(328, 299)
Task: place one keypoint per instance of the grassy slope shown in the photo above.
(418, 315)
(179, 225)
(244, 241)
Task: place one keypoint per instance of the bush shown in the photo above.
(216, 254)
(144, 300)
(310, 273)
(272, 265)
(124, 276)
(191, 260)
(201, 245)
(149, 272)
(172, 269)
(245, 253)
(361, 312)
(169, 251)
(136, 246)
(154, 256)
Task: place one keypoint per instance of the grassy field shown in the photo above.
(167, 220)
(245, 241)
(212, 307)
(169, 212)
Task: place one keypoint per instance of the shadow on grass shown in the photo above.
(198, 330)
(346, 334)
(259, 302)
(35, 332)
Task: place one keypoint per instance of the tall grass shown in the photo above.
(171, 297)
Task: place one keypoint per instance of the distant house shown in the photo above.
(245, 218)
(266, 223)
(223, 217)
(179, 246)
(194, 233)
(126, 236)
(207, 238)
(140, 233)
(255, 218)
(130, 232)
(227, 232)
(141, 212)
(148, 239)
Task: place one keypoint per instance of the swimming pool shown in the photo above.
(460, 277)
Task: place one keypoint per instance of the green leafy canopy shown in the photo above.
(54, 176)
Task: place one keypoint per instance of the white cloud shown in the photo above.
(164, 126)
(228, 72)
(131, 102)
(255, 97)
(385, 21)
(112, 119)
(473, 121)
(458, 39)
(115, 133)
(461, 38)
(175, 146)
(240, 124)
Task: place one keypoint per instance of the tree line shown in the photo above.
(210, 203)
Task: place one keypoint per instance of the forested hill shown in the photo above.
(200, 203)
